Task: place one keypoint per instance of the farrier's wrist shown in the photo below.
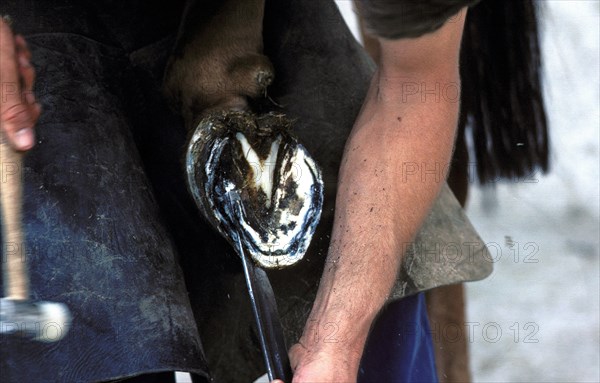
(325, 338)
(334, 327)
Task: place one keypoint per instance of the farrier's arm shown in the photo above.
(378, 210)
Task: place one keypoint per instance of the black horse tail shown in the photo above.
(502, 102)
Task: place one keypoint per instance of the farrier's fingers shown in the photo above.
(24, 62)
(16, 115)
(27, 73)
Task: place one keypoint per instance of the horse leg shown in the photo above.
(446, 304)
(218, 61)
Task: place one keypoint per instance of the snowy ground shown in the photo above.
(536, 319)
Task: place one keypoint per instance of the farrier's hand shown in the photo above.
(18, 109)
(324, 362)
(330, 363)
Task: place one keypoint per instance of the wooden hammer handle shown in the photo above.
(14, 257)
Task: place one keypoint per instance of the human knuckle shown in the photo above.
(16, 113)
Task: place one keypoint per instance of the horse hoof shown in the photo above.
(279, 184)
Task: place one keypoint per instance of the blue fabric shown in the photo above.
(399, 348)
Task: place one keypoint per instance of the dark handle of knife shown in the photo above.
(275, 342)
(267, 320)
(264, 308)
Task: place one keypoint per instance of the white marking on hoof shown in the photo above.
(264, 180)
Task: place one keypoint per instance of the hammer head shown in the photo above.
(40, 321)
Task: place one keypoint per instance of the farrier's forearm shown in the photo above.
(379, 206)
(379, 209)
